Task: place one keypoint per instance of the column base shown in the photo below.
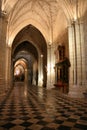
(77, 91)
(50, 85)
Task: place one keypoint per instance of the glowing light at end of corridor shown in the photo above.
(17, 72)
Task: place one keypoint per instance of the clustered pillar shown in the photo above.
(50, 66)
(77, 59)
(3, 30)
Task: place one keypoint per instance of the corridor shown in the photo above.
(35, 108)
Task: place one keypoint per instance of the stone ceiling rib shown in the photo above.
(82, 8)
(40, 11)
(67, 8)
(16, 10)
(46, 15)
(25, 12)
(8, 5)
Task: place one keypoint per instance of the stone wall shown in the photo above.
(85, 46)
(3, 26)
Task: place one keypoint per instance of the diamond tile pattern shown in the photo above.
(28, 107)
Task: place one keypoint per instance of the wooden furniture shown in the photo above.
(61, 68)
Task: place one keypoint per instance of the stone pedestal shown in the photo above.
(76, 91)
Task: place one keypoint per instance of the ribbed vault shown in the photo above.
(51, 17)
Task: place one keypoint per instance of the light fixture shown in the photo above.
(41, 55)
(50, 43)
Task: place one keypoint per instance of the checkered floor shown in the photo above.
(34, 108)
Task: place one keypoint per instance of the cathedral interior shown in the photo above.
(43, 64)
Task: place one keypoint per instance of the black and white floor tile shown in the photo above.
(35, 108)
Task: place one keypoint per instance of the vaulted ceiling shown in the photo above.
(50, 17)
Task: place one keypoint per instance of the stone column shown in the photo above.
(77, 59)
(34, 72)
(9, 68)
(83, 53)
(79, 53)
(26, 75)
(3, 30)
(26, 82)
(53, 64)
(40, 78)
(72, 55)
(50, 66)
